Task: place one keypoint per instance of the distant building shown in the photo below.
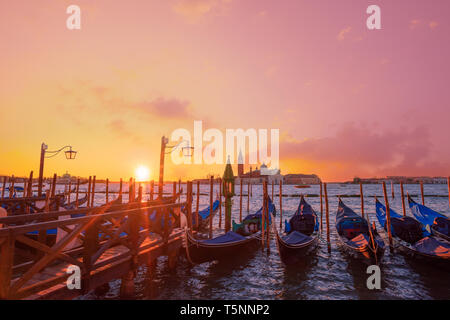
(301, 179)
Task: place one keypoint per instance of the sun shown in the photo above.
(142, 174)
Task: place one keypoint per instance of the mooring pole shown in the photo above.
(89, 192)
(327, 212)
(421, 192)
(220, 203)
(164, 141)
(211, 191)
(4, 186)
(41, 169)
(392, 189)
(403, 199)
(362, 198)
(240, 201)
(93, 192)
(388, 214)
(77, 193)
(152, 189)
(321, 207)
(281, 205)
(197, 205)
(107, 191)
(448, 187)
(248, 197)
(263, 216)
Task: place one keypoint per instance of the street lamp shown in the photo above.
(70, 155)
(228, 188)
(187, 152)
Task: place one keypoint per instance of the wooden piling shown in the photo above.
(388, 214)
(77, 193)
(54, 185)
(211, 190)
(174, 190)
(421, 192)
(69, 192)
(220, 203)
(4, 186)
(140, 193)
(248, 197)
(448, 187)
(281, 205)
(93, 192)
(30, 185)
(263, 216)
(107, 191)
(11, 187)
(321, 207)
(272, 190)
(240, 201)
(189, 204)
(179, 190)
(197, 204)
(392, 190)
(362, 198)
(327, 212)
(403, 199)
(130, 191)
(120, 187)
(268, 219)
(89, 192)
(152, 189)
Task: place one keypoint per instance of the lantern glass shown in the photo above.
(70, 155)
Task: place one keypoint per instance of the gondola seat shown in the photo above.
(359, 241)
(442, 225)
(230, 236)
(431, 246)
(296, 237)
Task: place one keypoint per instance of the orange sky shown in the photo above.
(348, 101)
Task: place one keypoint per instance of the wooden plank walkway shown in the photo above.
(106, 243)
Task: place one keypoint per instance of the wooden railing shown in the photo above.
(83, 242)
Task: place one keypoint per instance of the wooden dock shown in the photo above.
(106, 243)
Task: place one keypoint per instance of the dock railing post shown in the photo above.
(321, 207)
(3, 187)
(89, 192)
(152, 189)
(107, 191)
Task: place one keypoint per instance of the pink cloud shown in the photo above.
(343, 32)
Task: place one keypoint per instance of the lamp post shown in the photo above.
(70, 155)
(228, 190)
(186, 151)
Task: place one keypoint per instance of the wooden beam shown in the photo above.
(211, 191)
(362, 198)
(421, 192)
(281, 205)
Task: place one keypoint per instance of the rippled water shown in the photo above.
(325, 275)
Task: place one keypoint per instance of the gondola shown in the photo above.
(438, 223)
(226, 246)
(411, 238)
(301, 234)
(204, 216)
(356, 236)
